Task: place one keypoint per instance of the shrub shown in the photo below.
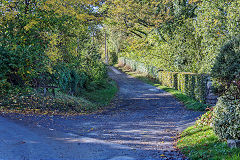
(113, 59)
(70, 80)
(169, 79)
(227, 118)
(226, 70)
(226, 74)
(200, 91)
(194, 85)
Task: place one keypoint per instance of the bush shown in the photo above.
(226, 70)
(194, 85)
(226, 75)
(200, 91)
(169, 79)
(227, 118)
(70, 80)
(113, 59)
(98, 71)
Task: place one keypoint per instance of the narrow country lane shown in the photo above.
(141, 126)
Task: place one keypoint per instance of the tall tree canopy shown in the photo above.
(175, 35)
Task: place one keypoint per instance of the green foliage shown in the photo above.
(176, 36)
(168, 79)
(227, 118)
(189, 102)
(49, 43)
(102, 94)
(215, 24)
(226, 76)
(193, 85)
(113, 59)
(226, 69)
(70, 80)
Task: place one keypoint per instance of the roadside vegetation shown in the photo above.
(32, 101)
(207, 139)
(188, 102)
(50, 57)
(200, 142)
(198, 37)
(52, 51)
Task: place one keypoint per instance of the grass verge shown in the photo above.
(31, 101)
(200, 142)
(189, 102)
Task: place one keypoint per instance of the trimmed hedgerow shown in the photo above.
(201, 87)
(169, 79)
(193, 85)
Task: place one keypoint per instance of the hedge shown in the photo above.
(192, 84)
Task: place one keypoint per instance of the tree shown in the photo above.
(39, 36)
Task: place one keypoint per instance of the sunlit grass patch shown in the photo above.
(200, 142)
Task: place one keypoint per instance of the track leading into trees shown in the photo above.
(141, 125)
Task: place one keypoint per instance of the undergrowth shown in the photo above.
(32, 101)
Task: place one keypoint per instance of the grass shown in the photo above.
(102, 97)
(31, 101)
(189, 102)
(200, 142)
